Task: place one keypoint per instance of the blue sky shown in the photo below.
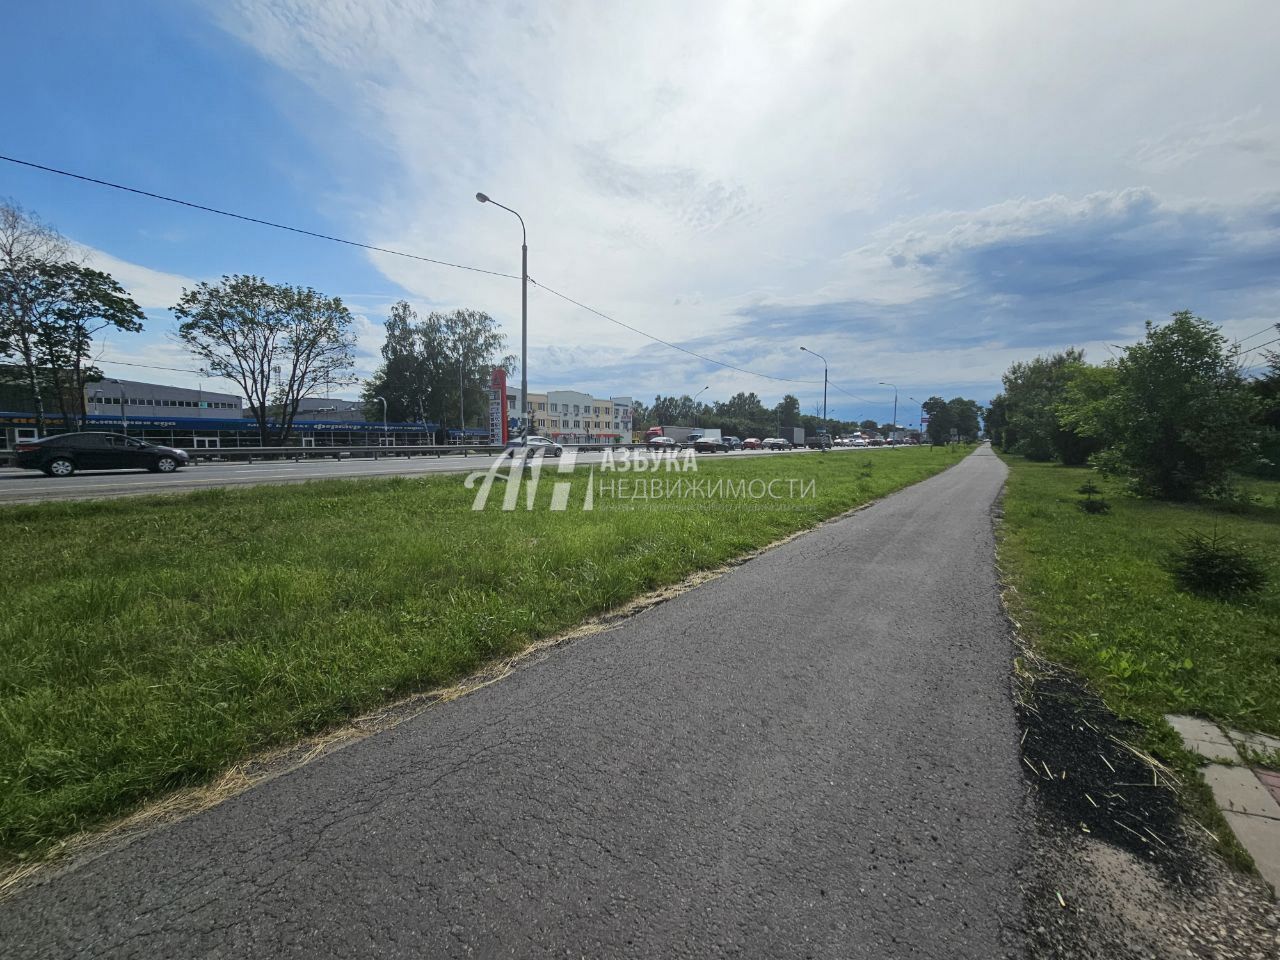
(921, 192)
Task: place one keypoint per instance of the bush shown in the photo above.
(1216, 567)
(1179, 417)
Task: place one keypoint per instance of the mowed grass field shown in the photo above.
(1094, 592)
(148, 643)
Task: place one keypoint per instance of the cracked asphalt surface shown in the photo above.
(814, 755)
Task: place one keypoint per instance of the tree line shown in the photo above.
(280, 344)
(1174, 415)
(745, 415)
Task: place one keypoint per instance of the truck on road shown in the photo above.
(681, 435)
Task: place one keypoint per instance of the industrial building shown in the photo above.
(198, 419)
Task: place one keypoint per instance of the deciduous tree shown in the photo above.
(280, 344)
(1179, 416)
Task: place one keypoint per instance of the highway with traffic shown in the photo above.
(31, 486)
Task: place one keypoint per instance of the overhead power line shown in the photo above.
(151, 366)
(257, 220)
(1267, 329)
(1258, 347)
(876, 403)
(665, 343)
(396, 253)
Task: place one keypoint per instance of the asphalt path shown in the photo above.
(813, 755)
(32, 486)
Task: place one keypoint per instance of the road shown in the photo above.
(31, 486)
(813, 755)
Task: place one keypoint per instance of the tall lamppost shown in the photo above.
(384, 416)
(124, 412)
(895, 403)
(914, 400)
(524, 318)
(824, 386)
(462, 402)
(697, 420)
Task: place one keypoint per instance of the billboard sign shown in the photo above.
(498, 405)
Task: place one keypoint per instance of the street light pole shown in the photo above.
(895, 403)
(697, 420)
(524, 319)
(124, 408)
(462, 402)
(384, 416)
(824, 387)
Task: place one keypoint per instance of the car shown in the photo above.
(538, 446)
(710, 445)
(859, 442)
(733, 443)
(662, 443)
(775, 443)
(63, 454)
(751, 443)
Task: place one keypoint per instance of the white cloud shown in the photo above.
(151, 289)
(677, 163)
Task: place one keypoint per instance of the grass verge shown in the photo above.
(1094, 592)
(148, 643)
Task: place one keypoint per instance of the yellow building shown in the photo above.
(569, 416)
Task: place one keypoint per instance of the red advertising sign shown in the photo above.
(498, 405)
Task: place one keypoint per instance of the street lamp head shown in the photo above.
(805, 350)
(482, 198)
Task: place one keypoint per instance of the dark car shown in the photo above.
(64, 454)
(710, 445)
(733, 443)
(662, 443)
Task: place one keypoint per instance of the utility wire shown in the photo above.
(665, 343)
(1258, 347)
(1267, 329)
(386, 250)
(247, 219)
(876, 403)
(150, 366)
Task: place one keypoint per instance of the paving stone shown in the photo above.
(1204, 738)
(1238, 790)
(1271, 780)
(1261, 837)
(1255, 741)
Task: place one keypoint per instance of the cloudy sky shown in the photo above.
(920, 191)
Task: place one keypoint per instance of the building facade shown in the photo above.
(570, 416)
(118, 398)
(200, 419)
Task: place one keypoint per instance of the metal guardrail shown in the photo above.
(376, 452)
(297, 453)
(250, 454)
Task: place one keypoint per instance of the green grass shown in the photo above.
(1095, 592)
(147, 644)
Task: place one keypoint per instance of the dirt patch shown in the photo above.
(1119, 869)
(1080, 760)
